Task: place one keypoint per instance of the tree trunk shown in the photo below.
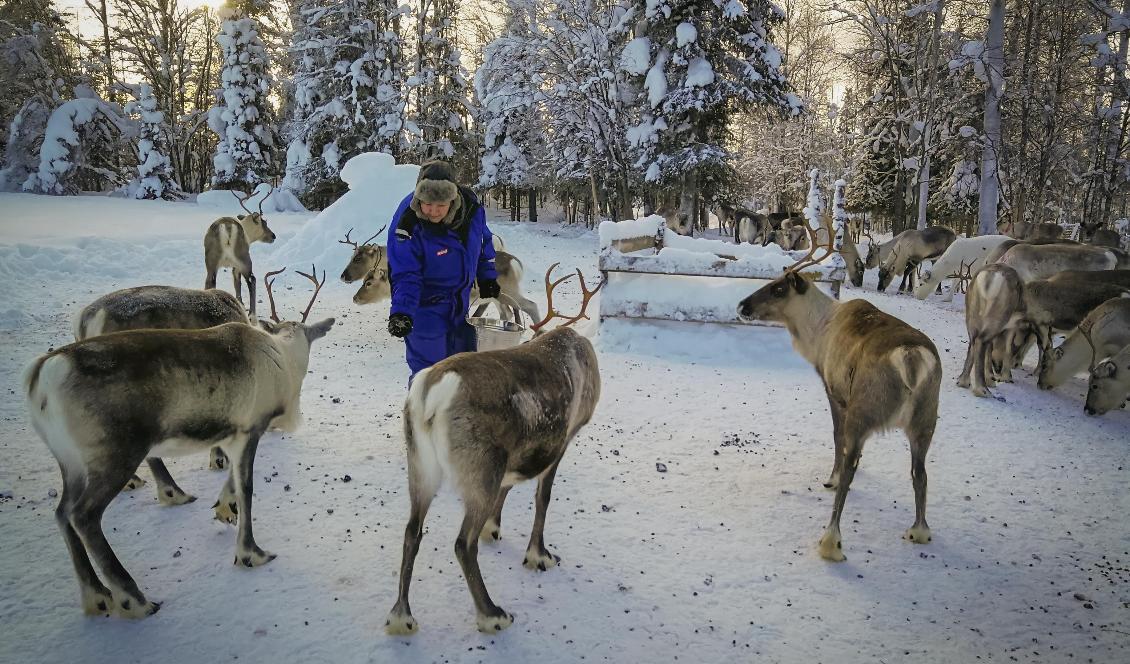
(927, 129)
(994, 64)
(533, 206)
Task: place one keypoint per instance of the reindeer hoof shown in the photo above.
(134, 484)
(253, 558)
(97, 602)
(494, 624)
(226, 512)
(134, 609)
(173, 497)
(918, 534)
(981, 392)
(832, 548)
(492, 532)
(401, 624)
(541, 561)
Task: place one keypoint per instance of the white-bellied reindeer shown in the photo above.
(161, 308)
(994, 307)
(104, 404)
(487, 421)
(227, 244)
(878, 373)
(1041, 261)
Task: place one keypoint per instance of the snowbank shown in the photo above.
(377, 184)
(273, 200)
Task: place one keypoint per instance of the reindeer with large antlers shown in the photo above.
(227, 244)
(487, 421)
(878, 373)
(104, 404)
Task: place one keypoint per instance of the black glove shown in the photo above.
(399, 325)
(488, 288)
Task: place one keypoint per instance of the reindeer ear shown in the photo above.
(318, 330)
(268, 325)
(1105, 369)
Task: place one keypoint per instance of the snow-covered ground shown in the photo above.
(711, 560)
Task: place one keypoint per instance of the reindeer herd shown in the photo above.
(160, 371)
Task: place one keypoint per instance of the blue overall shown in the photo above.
(432, 269)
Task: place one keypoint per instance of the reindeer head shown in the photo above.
(277, 326)
(376, 286)
(254, 223)
(1109, 384)
(365, 258)
(779, 300)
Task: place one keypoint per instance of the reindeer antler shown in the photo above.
(242, 200)
(374, 236)
(267, 281)
(264, 199)
(807, 260)
(317, 287)
(347, 240)
(552, 313)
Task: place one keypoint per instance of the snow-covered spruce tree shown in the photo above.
(348, 91)
(154, 172)
(242, 117)
(698, 62)
(79, 135)
(37, 73)
(507, 86)
(439, 85)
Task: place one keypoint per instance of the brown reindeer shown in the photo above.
(878, 373)
(910, 248)
(487, 421)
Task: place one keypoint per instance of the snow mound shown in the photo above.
(276, 200)
(377, 184)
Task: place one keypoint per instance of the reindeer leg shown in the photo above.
(86, 519)
(226, 508)
(483, 487)
(250, 276)
(422, 487)
(168, 493)
(537, 556)
(247, 552)
(967, 370)
(838, 441)
(981, 353)
(134, 483)
(217, 460)
(920, 433)
(96, 597)
(831, 544)
(492, 531)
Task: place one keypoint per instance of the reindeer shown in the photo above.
(1104, 332)
(965, 255)
(489, 420)
(105, 403)
(366, 257)
(878, 373)
(752, 228)
(227, 244)
(877, 252)
(1109, 384)
(161, 307)
(1040, 261)
(855, 266)
(1106, 237)
(909, 250)
(993, 308)
(1026, 230)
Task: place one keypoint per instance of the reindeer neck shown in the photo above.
(808, 321)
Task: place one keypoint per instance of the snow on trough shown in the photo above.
(686, 513)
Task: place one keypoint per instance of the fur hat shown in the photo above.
(436, 184)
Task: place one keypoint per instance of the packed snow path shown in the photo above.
(686, 514)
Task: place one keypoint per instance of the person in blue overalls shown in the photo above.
(439, 246)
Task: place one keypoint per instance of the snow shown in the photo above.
(699, 73)
(685, 33)
(273, 200)
(636, 57)
(712, 560)
(656, 80)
